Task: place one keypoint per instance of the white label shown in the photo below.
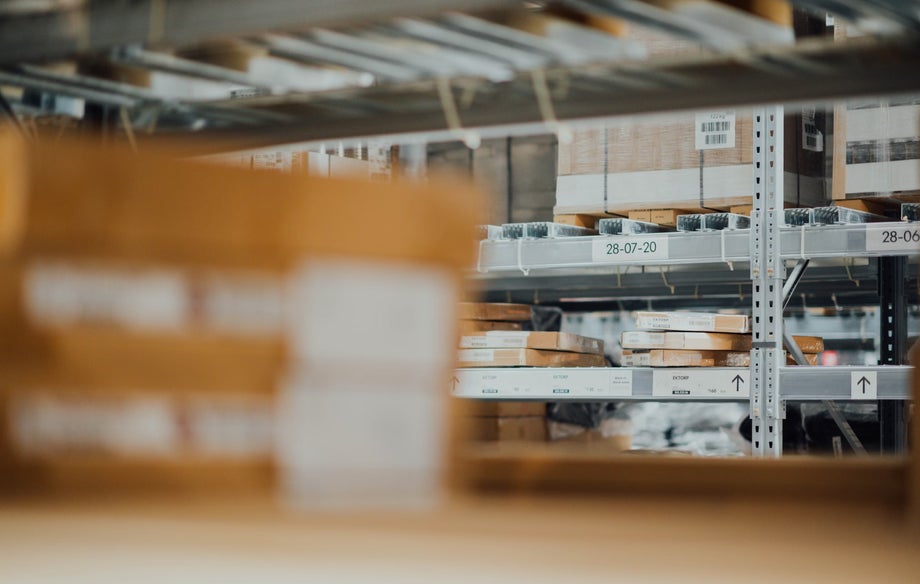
(715, 130)
(243, 304)
(636, 360)
(388, 317)
(629, 248)
(496, 340)
(67, 294)
(545, 384)
(701, 383)
(812, 138)
(864, 385)
(705, 323)
(643, 340)
(476, 355)
(888, 237)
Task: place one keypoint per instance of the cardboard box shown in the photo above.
(527, 358)
(549, 341)
(499, 311)
(472, 327)
(691, 358)
(882, 155)
(506, 409)
(532, 429)
(655, 164)
(613, 434)
(704, 341)
(587, 221)
(693, 321)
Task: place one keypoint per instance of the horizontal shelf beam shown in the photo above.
(677, 384)
(608, 252)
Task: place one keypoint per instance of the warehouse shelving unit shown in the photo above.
(536, 85)
(765, 248)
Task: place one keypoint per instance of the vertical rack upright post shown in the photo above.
(767, 275)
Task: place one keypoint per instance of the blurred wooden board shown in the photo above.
(482, 540)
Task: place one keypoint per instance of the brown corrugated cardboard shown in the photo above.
(588, 221)
(691, 358)
(549, 341)
(532, 429)
(499, 311)
(611, 434)
(693, 321)
(472, 327)
(527, 358)
(704, 341)
(507, 409)
(644, 215)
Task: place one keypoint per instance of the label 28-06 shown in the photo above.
(901, 236)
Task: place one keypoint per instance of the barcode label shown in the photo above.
(812, 138)
(715, 130)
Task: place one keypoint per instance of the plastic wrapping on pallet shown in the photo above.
(712, 222)
(618, 226)
(542, 230)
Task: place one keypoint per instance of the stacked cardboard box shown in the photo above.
(530, 349)
(160, 314)
(697, 340)
(508, 422)
(688, 161)
(480, 317)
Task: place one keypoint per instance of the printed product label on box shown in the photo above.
(701, 383)
(476, 355)
(715, 130)
(812, 138)
(496, 339)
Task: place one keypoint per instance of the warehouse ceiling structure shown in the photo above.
(286, 71)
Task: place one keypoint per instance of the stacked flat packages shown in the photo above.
(497, 348)
(180, 326)
(685, 160)
(685, 339)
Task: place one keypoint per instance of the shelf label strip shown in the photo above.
(620, 248)
(701, 383)
(893, 238)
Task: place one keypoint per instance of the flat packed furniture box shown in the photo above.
(171, 324)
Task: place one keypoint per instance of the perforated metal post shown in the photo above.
(767, 275)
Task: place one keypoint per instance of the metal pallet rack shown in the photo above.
(766, 248)
(503, 81)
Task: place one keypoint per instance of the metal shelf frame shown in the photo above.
(704, 384)
(765, 249)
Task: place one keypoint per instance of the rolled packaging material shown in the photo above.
(705, 341)
(693, 321)
(527, 358)
(495, 311)
(689, 358)
(550, 341)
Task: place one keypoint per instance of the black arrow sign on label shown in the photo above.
(738, 380)
(863, 382)
(453, 383)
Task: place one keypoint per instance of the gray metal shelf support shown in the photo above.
(767, 275)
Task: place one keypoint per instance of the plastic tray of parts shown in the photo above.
(543, 229)
(712, 222)
(829, 216)
(617, 226)
(490, 232)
